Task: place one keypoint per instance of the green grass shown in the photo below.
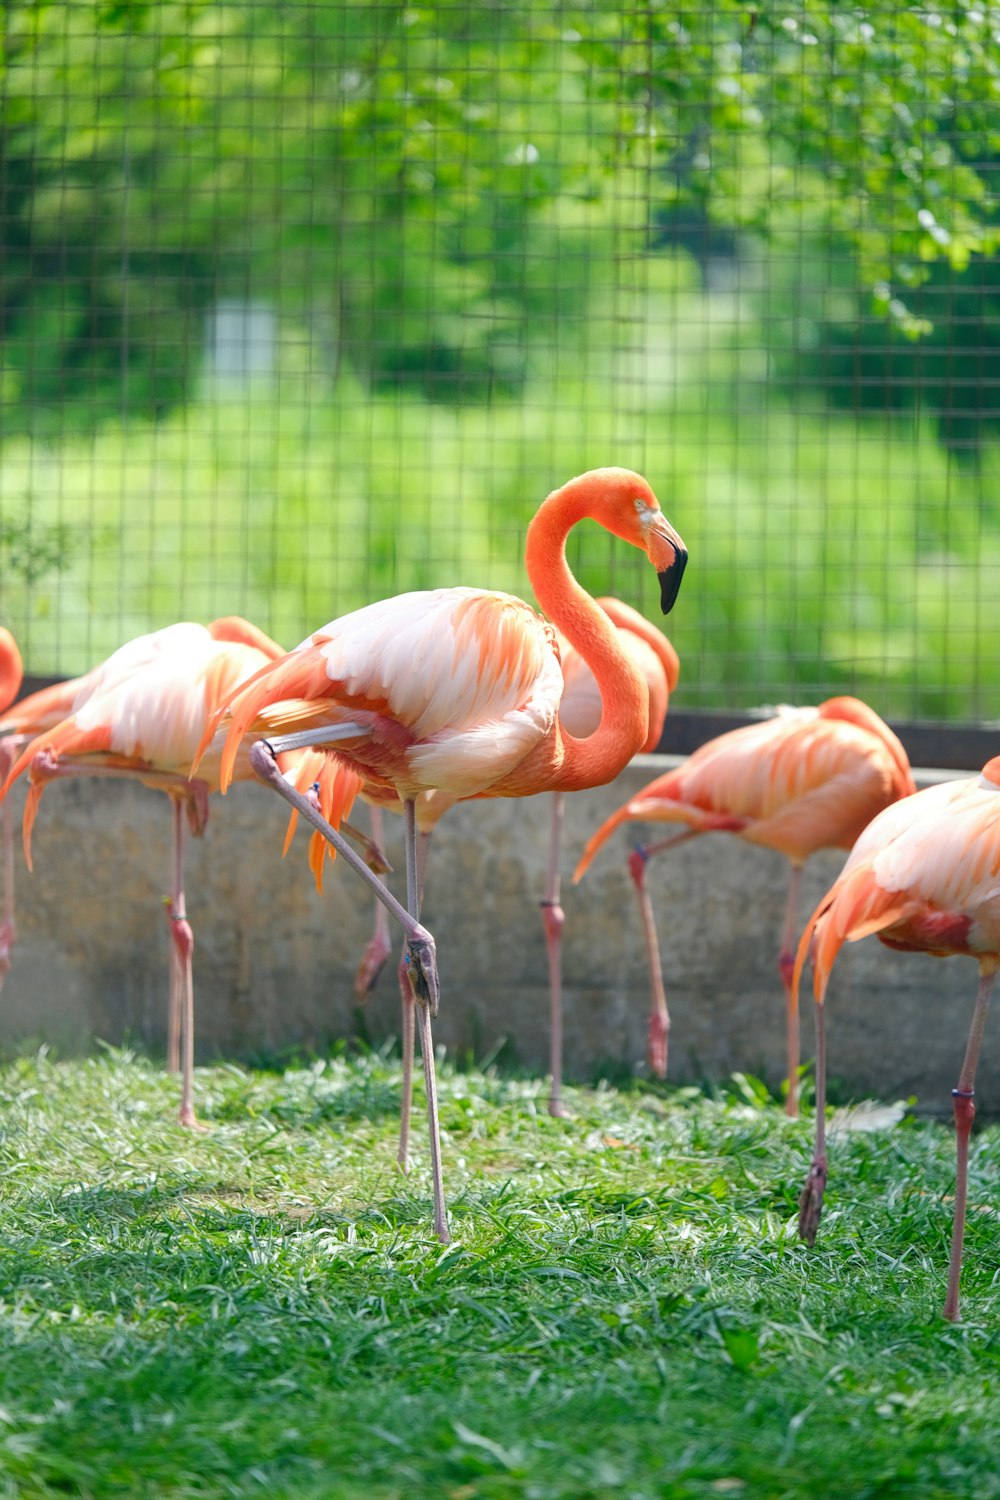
(625, 1311)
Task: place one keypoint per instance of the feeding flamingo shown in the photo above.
(807, 779)
(458, 690)
(141, 715)
(923, 877)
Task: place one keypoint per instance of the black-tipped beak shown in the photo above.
(670, 581)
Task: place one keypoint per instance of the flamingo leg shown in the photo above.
(811, 1197)
(7, 929)
(408, 1020)
(419, 942)
(658, 1031)
(188, 796)
(553, 920)
(420, 949)
(786, 965)
(9, 748)
(182, 982)
(963, 1103)
(406, 1042)
(174, 999)
(423, 1018)
(658, 1034)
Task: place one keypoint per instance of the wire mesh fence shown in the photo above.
(304, 304)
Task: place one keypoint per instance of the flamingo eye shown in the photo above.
(640, 505)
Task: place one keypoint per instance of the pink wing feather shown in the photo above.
(804, 780)
(447, 689)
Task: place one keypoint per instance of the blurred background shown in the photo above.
(302, 304)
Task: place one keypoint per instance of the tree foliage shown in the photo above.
(430, 187)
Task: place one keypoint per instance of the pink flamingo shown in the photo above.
(923, 877)
(141, 715)
(807, 779)
(42, 711)
(458, 690)
(580, 714)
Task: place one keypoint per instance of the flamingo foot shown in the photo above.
(557, 1109)
(657, 1042)
(187, 1117)
(421, 968)
(811, 1201)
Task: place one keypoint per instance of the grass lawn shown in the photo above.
(625, 1310)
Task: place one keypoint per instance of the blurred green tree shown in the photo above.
(427, 187)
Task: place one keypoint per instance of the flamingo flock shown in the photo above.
(419, 701)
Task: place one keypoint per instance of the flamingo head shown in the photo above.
(623, 503)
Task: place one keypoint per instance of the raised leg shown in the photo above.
(811, 1197)
(553, 920)
(963, 1102)
(786, 966)
(419, 942)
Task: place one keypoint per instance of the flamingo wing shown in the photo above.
(803, 780)
(449, 688)
(148, 710)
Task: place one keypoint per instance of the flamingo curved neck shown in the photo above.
(624, 695)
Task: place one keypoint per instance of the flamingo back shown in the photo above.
(806, 779)
(924, 875)
(150, 709)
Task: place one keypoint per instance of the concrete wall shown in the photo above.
(274, 962)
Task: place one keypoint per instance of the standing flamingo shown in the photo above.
(458, 690)
(807, 779)
(923, 877)
(142, 715)
(580, 713)
(41, 711)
